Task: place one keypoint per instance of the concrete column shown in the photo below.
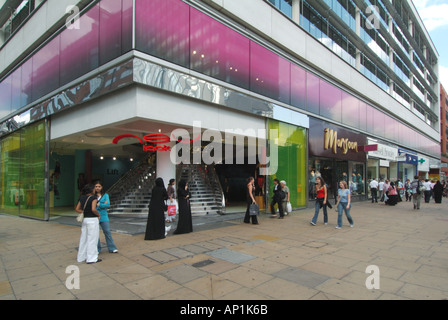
(165, 168)
(296, 8)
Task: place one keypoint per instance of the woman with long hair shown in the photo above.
(103, 203)
(250, 199)
(88, 242)
(321, 200)
(344, 205)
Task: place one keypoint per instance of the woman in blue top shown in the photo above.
(344, 204)
(102, 205)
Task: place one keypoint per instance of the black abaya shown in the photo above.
(438, 191)
(185, 224)
(155, 227)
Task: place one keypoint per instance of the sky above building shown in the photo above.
(434, 14)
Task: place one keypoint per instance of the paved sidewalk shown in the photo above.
(275, 260)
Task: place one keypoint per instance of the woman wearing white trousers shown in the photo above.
(88, 243)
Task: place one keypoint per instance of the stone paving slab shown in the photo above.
(276, 260)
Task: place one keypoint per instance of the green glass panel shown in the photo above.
(10, 193)
(32, 175)
(292, 151)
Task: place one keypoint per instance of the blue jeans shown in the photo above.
(342, 206)
(316, 211)
(110, 242)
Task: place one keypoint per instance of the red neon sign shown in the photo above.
(154, 138)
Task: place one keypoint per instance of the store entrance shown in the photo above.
(233, 179)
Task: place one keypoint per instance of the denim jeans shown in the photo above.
(316, 212)
(110, 242)
(342, 206)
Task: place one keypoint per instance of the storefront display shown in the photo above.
(335, 156)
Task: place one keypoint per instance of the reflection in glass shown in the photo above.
(162, 30)
(80, 47)
(218, 51)
(270, 73)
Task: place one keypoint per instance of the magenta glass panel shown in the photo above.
(162, 29)
(110, 30)
(330, 101)
(5, 96)
(27, 83)
(45, 74)
(126, 25)
(298, 87)
(218, 51)
(269, 73)
(350, 110)
(312, 93)
(79, 47)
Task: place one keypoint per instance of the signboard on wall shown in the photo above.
(331, 141)
(384, 151)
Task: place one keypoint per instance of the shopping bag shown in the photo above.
(171, 210)
(288, 207)
(253, 209)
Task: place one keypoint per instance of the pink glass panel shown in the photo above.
(110, 30)
(162, 29)
(79, 47)
(312, 93)
(270, 74)
(5, 97)
(27, 83)
(350, 110)
(218, 51)
(330, 101)
(16, 88)
(298, 87)
(378, 123)
(126, 25)
(365, 117)
(46, 69)
(390, 128)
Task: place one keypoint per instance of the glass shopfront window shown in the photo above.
(291, 157)
(22, 172)
(334, 156)
(332, 172)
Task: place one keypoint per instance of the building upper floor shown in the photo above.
(250, 45)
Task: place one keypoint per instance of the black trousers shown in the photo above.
(280, 207)
(374, 194)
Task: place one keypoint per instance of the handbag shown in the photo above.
(80, 216)
(253, 209)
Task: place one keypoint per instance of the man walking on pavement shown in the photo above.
(373, 190)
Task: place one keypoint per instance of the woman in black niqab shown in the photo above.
(155, 227)
(185, 224)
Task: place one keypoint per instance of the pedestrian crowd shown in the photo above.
(168, 203)
(391, 193)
